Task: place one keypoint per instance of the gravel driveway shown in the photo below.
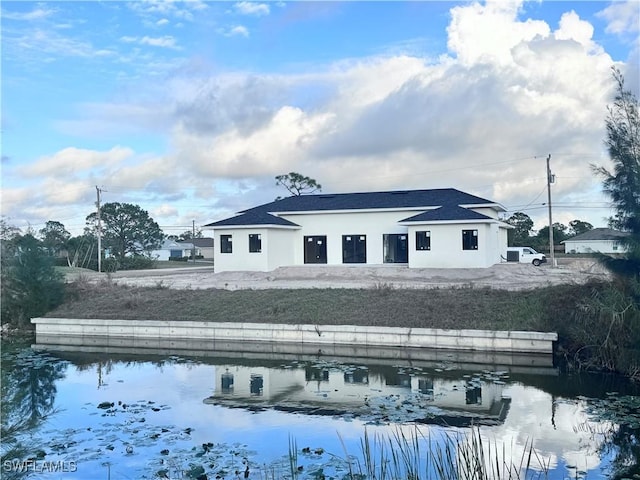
(506, 276)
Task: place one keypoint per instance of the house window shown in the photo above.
(394, 248)
(226, 381)
(315, 249)
(354, 249)
(423, 240)
(255, 242)
(256, 385)
(226, 245)
(469, 239)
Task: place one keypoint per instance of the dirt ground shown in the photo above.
(506, 276)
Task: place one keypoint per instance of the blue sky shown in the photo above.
(190, 109)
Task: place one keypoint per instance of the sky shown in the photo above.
(190, 109)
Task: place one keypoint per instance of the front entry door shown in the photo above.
(315, 249)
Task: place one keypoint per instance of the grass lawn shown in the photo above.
(455, 308)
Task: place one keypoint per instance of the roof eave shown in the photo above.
(354, 210)
(495, 206)
(256, 225)
(449, 222)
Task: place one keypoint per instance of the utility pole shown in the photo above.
(193, 239)
(550, 179)
(99, 231)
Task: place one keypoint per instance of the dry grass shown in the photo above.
(381, 306)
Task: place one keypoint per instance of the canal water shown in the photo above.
(91, 412)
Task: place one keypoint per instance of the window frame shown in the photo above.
(358, 250)
(394, 248)
(423, 240)
(255, 243)
(470, 239)
(226, 243)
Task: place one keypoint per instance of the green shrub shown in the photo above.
(604, 330)
(30, 284)
(135, 262)
(110, 264)
(60, 262)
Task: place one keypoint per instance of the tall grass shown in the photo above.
(447, 456)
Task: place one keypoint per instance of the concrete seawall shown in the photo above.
(470, 340)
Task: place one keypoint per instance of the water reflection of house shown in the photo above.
(349, 390)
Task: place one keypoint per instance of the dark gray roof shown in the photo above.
(447, 212)
(253, 217)
(202, 242)
(599, 234)
(374, 200)
(260, 215)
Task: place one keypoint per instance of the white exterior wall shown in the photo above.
(285, 246)
(163, 254)
(335, 225)
(503, 243)
(279, 247)
(276, 249)
(446, 246)
(240, 259)
(590, 246)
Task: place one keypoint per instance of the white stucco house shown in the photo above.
(172, 249)
(603, 240)
(441, 228)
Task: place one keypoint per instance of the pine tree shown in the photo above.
(622, 183)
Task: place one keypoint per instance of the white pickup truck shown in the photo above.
(525, 255)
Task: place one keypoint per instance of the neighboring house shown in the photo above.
(443, 228)
(603, 240)
(172, 249)
(205, 246)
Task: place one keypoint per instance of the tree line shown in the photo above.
(523, 234)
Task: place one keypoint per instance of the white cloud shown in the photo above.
(35, 14)
(166, 8)
(164, 211)
(72, 162)
(166, 41)
(252, 8)
(573, 28)
(236, 31)
(487, 33)
(162, 22)
(41, 41)
(622, 17)
(99, 119)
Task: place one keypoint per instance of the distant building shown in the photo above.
(603, 240)
(204, 246)
(172, 249)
